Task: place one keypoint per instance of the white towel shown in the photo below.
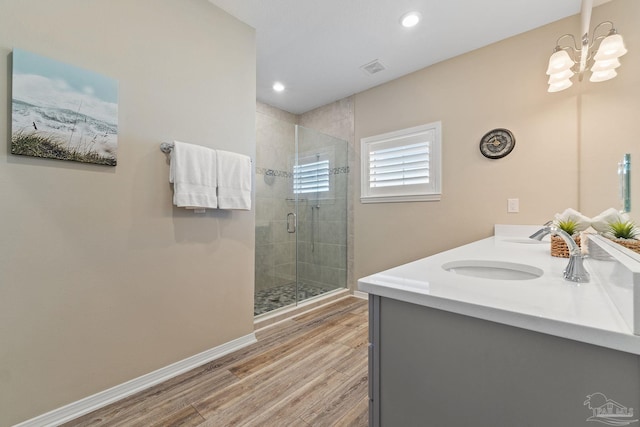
(234, 181)
(602, 222)
(582, 222)
(193, 174)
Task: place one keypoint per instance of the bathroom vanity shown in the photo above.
(490, 334)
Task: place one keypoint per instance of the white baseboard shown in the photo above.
(360, 294)
(106, 397)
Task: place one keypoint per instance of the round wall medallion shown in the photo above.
(497, 143)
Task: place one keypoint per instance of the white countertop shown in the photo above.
(548, 304)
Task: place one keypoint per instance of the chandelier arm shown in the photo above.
(595, 38)
(575, 47)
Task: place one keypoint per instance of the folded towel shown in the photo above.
(582, 222)
(193, 174)
(601, 222)
(234, 181)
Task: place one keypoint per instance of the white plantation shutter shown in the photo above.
(312, 177)
(402, 165)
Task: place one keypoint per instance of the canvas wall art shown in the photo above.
(60, 111)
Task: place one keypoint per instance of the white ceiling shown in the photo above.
(316, 47)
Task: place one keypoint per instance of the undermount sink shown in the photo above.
(487, 269)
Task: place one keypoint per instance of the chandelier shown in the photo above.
(600, 53)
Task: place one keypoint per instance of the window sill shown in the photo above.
(400, 199)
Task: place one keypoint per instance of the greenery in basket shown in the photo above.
(568, 225)
(623, 230)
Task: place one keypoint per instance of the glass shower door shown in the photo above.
(320, 187)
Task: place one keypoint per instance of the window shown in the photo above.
(402, 166)
(311, 177)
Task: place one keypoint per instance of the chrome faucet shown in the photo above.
(575, 270)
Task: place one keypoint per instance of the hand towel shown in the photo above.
(234, 180)
(601, 222)
(193, 174)
(582, 222)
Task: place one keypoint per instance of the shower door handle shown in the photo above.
(292, 222)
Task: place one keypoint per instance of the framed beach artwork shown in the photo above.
(60, 111)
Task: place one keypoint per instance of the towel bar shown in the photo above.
(166, 147)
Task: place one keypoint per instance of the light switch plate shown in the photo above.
(513, 205)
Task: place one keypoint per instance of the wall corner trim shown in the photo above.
(91, 403)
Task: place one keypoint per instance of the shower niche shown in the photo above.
(301, 215)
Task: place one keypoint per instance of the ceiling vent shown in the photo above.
(373, 67)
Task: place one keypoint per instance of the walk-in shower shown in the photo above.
(301, 214)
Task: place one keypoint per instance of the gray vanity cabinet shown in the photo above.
(430, 367)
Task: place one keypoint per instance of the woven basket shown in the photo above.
(632, 244)
(559, 248)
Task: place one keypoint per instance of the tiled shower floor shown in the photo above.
(281, 296)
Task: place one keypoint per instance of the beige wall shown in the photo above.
(101, 279)
(564, 156)
(609, 119)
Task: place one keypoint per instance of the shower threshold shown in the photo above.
(267, 300)
(271, 317)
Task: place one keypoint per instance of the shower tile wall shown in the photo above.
(275, 248)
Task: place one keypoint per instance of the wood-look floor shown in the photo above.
(310, 370)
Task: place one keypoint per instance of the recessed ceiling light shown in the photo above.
(410, 19)
(278, 87)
